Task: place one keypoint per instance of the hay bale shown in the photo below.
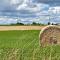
(49, 35)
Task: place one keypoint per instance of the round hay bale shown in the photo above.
(49, 35)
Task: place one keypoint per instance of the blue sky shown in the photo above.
(32, 10)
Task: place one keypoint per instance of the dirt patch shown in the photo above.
(5, 28)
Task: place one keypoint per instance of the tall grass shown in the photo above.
(24, 45)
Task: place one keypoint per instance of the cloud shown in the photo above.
(6, 20)
(9, 4)
(34, 10)
(54, 10)
(22, 8)
(32, 6)
(16, 1)
(26, 10)
(46, 1)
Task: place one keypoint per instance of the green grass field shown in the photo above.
(24, 45)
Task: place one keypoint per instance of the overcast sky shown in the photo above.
(29, 8)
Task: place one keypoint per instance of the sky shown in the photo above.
(28, 11)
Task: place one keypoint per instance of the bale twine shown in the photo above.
(49, 35)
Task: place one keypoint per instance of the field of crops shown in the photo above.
(24, 45)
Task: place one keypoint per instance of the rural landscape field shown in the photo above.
(24, 45)
(29, 29)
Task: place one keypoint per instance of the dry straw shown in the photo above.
(50, 35)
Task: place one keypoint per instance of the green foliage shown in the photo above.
(48, 23)
(24, 45)
(34, 23)
(17, 39)
(22, 24)
(19, 24)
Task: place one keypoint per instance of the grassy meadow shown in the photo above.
(24, 45)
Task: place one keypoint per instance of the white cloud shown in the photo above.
(55, 10)
(14, 1)
(27, 8)
(7, 20)
(34, 7)
(22, 5)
